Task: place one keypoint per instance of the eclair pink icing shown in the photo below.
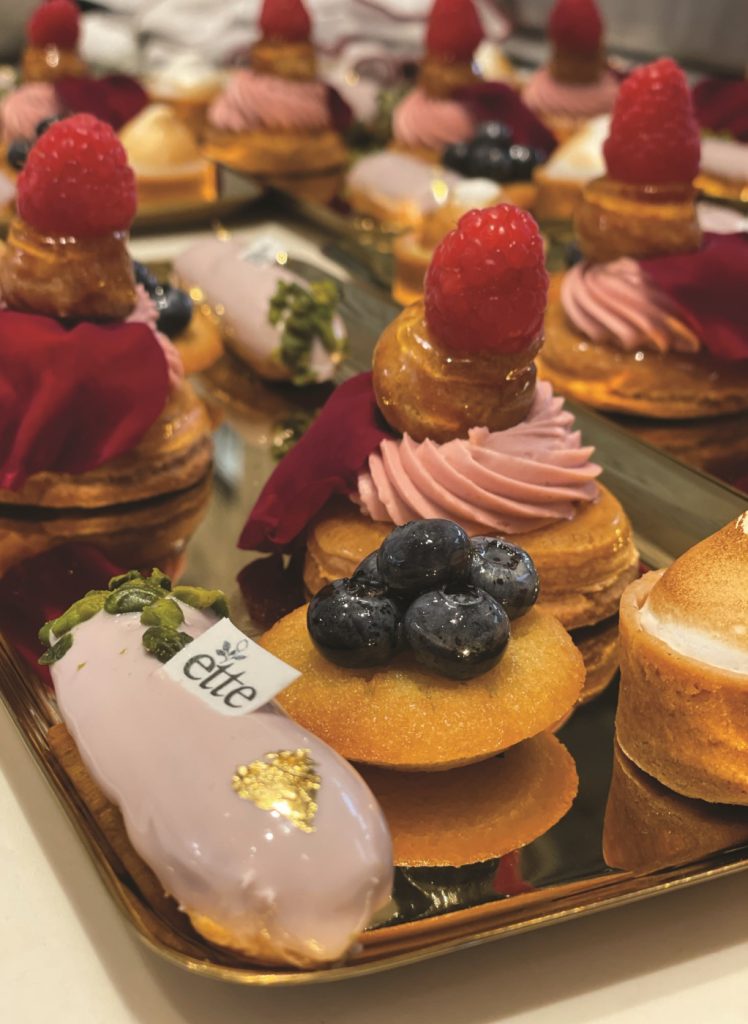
(253, 101)
(167, 761)
(544, 95)
(616, 303)
(145, 312)
(505, 481)
(23, 109)
(421, 120)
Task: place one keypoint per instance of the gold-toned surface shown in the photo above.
(285, 782)
(560, 875)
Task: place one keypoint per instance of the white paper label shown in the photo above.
(265, 250)
(228, 671)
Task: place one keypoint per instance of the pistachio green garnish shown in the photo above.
(44, 632)
(119, 581)
(164, 642)
(288, 431)
(305, 314)
(200, 598)
(85, 608)
(56, 651)
(164, 612)
(129, 599)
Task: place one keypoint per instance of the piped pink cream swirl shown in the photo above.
(505, 481)
(23, 109)
(616, 303)
(544, 95)
(420, 120)
(145, 312)
(254, 101)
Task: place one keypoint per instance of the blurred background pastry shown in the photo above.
(52, 42)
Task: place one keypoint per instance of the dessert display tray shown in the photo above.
(432, 911)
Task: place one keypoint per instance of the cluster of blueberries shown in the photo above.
(429, 588)
(19, 149)
(174, 305)
(492, 153)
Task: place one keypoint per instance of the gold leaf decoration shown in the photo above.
(285, 781)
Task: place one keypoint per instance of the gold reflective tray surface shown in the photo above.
(562, 874)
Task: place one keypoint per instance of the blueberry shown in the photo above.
(523, 162)
(489, 160)
(18, 151)
(456, 156)
(458, 633)
(145, 277)
(368, 569)
(42, 127)
(572, 254)
(506, 572)
(355, 623)
(495, 131)
(174, 309)
(425, 554)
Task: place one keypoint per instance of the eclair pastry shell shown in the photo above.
(404, 717)
(682, 721)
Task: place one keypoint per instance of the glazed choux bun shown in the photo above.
(683, 704)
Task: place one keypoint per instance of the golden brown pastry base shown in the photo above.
(159, 191)
(513, 799)
(584, 564)
(287, 59)
(556, 198)
(598, 646)
(201, 344)
(680, 720)
(390, 214)
(273, 153)
(442, 78)
(174, 453)
(47, 64)
(404, 717)
(576, 68)
(648, 827)
(722, 188)
(660, 385)
(109, 820)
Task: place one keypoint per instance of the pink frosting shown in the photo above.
(505, 481)
(420, 120)
(23, 109)
(616, 303)
(252, 101)
(544, 95)
(145, 312)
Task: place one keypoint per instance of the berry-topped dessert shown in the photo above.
(451, 425)
(652, 320)
(98, 411)
(52, 42)
(266, 838)
(576, 85)
(492, 153)
(721, 107)
(428, 659)
(276, 118)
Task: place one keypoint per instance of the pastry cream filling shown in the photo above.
(698, 644)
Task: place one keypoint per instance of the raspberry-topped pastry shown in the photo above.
(52, 42)
(576, 85)
(652, 320)
(72, 306)
(452, 425)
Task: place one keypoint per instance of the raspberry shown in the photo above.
(76, 181)
(454, 29)
(487, 284)
(654, 137)
(55, 23)
(575, 26)
(286, 20)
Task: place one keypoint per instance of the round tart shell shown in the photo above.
(268, 153)
(511, 800)
(402, 716)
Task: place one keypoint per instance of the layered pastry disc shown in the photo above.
(405, 717)
(661, 385)
(513, 799)
(683, 703)
(648, 827)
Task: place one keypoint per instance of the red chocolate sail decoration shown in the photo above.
(115, 99)
(496, 101)
(74, 398)
(721, 106)
(326, 461)
(710, 287)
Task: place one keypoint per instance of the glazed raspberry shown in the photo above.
(76, 181)
(55, 23)
(487, 284)
(285, 20)
(454, 30)
(575, 26)
(654, 137)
